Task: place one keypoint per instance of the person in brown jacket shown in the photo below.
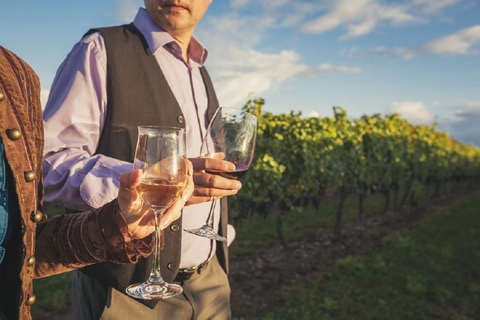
(32, 246)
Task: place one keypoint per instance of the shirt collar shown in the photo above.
(156, 37)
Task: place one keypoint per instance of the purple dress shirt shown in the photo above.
(75, 115)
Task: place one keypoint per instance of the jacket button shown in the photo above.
(170, 265)
(36, 216)
(31, 300)
(175, 227)
(30, 176)
(2, 96)
(180, 119)
(13, 134)
(31, 261)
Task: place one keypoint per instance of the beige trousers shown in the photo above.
(206, 296)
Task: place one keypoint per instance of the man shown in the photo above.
(149, 72)
(32, 246)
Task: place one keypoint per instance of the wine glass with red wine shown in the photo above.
(161, 157)
(230, 136)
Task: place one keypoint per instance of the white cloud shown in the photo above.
(249, 71)
(360, 17)
(238, 68)
(241, 73)
(251, 24)
(255, 72)
(312, 114)
(125, 10)
(235, 4)
(383, 53)
(462, 42)
(415, 112)
(433, 6)
(329, 69)
(463, 125)
(229, 31)
(44, 93)
(466, 41)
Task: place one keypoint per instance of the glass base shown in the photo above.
(150, 291)
(206, 232)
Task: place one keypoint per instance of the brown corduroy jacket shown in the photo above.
(62, 243)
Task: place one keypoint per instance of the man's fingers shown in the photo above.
(215, 181)
(199, 199)
(202, 164)
(129, 201)
(148, 220)
(218, 155)
(208, 193)
(171, 215)
(210, 185)
(174, 211)
(189, 168)
(188, 191)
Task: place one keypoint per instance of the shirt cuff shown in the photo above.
(101, 184)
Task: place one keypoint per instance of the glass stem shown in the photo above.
(155, 276)
(211, 214)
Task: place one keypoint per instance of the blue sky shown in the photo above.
(420, 58)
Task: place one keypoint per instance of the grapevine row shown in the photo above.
(298, 160)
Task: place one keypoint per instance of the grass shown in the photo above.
(429, 273)
(259, 231)
(53, 293)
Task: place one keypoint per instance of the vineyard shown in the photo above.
(318, 173)
(300, 161)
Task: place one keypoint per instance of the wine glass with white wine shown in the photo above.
(161, 157)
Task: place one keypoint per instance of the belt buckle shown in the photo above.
(187, 273)
(183, 276)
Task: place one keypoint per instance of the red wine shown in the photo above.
(160, 194)
(240, 170)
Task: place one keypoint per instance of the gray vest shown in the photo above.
(138, 94)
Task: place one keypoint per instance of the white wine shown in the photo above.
(160, 194)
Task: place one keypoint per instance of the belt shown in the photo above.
(186, 273)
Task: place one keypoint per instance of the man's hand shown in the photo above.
(209, 186)
(140, 219)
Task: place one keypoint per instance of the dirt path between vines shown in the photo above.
(260, 280)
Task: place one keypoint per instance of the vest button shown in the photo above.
(170, 265)
(13, 134)
(180, 119)
(30, 176)
(2, 96)
(31, 300)
(175, 227)
(36, 216)
(31, 261)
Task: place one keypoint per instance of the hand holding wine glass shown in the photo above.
(209, 186)
(140, 219)
(160, 156)
(230, 137)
